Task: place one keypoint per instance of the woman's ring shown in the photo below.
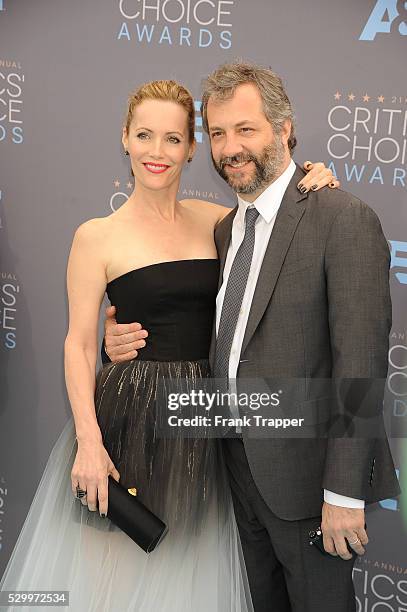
(80, 492)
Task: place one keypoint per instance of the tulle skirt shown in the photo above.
(63, 546)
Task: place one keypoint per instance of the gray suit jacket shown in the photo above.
(321, 310)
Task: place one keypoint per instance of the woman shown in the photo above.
(156, 259)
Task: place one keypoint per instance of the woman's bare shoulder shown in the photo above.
(215, 211)
(93, 231)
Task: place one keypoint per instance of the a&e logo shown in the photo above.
(399, 259)
(387, 16)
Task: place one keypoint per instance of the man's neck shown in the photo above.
(251, 197)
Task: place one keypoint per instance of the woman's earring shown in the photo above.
(189, 159)
(126, 152)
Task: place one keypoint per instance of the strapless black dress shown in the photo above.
(199, 565)
(175, 302)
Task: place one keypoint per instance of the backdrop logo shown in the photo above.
(119, 197)
(368, 140)
(3, 494)
(379, 591)
(397, 381)
(183, 23)
(11, 101)
(399, 260)
(391, 504)
(396, 399)
(198, 121)
(9, 290)
(387, 16)
(187, 193)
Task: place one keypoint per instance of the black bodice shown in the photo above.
(174, 301)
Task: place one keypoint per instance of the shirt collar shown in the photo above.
(269, 201)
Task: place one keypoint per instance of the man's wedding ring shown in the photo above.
(80, 492)
(355, 542)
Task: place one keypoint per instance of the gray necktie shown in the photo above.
(233, 297)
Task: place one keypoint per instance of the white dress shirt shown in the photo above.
(267, 205)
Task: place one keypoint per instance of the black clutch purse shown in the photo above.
(316, 540)
(132, 517)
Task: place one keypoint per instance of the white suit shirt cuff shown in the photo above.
(341, 500)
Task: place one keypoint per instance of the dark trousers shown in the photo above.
(285, 573)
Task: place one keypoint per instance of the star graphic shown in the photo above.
(116, 183)
(366, 98)
(351, 97)
(380, 99)
(129, 185)
(337, 96)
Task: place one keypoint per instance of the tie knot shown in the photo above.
(251, 217)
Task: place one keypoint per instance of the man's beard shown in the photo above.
(267, 168)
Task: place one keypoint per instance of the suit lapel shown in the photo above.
(290, 212)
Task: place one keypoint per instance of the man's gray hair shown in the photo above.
(222, 83)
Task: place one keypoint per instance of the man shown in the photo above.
(303, 293)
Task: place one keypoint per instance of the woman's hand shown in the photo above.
(318, 176)
(90, 471)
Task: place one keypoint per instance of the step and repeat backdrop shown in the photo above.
(66, 69)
